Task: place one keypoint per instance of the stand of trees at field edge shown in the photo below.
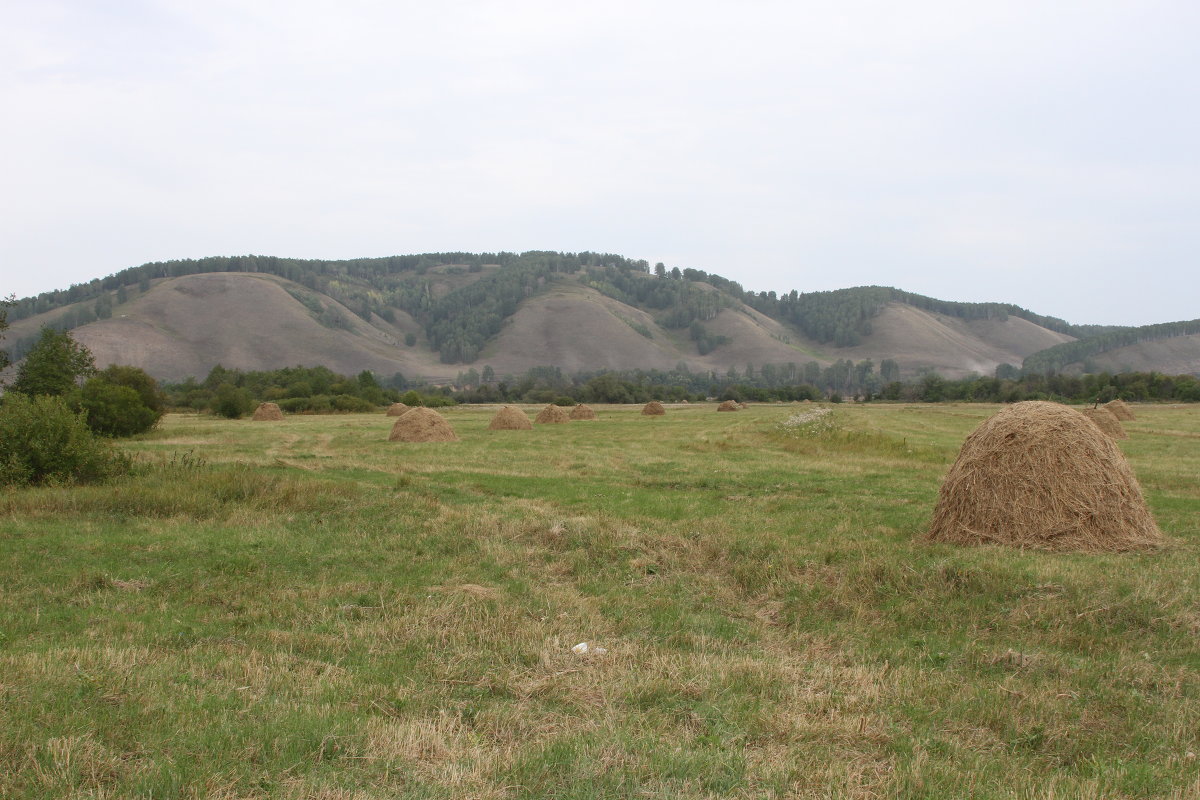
(319, 390)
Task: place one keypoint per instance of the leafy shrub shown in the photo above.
(113, 410)
(43, 441)
(231, 401)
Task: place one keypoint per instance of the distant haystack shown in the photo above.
(653, 409)
(582, 411)
(1041, 475)
(728, 405)
(1107, 422)
(510, 419)
(1120, 410)
(551, 415)
(396, 410)
(267, 412)
(422, 425)
(685, 402)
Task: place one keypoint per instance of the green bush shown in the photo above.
(43, 441)
(113, 410)
(231, 402)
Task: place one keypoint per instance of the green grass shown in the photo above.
(302, 609)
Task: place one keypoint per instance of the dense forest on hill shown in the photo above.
(461, 300)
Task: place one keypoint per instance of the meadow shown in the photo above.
(302, 609)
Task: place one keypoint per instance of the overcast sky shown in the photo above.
(1044, 154)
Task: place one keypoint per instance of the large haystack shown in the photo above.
(397, 410)
(728, 405)
(552, 415)
(653, 409)
(582, 411)
(1107, 422)
(267, 412)
(1120, 410)
(510, 419)
(422, 425)
(1040, 475)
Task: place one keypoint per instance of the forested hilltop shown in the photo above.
(458, 303)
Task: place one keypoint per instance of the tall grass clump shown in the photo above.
(42, 441)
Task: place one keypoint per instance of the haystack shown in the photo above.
(1120, 410)
(552, 414)
(653, 409)
(1107, 422)
(396, 410)
(1040, 475)
(582, 411)
(422, 425)
(510, 419)
(267, 412)
(728, 405)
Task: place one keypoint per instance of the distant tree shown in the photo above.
(137, 379)
(660, 269)
(54, 366)
(4, 306)
(889, 370)
(488, 375)
(676, 274)
(115, 410)
(231, 401)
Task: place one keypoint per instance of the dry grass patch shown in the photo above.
(552, 415)
(510, 418)
(1107, 422)
(1041, 475)
(422, 425)
(268, 412)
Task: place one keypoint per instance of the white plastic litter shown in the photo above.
(583, 648)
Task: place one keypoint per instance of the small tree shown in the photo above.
(54, 366)
(4, 304)
(231, 401)
(115, 410)
(43, 441)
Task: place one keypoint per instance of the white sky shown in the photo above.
(1044, 154)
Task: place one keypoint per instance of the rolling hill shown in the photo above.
(432, 316)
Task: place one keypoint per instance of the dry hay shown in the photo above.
(728, 405)
(267, 412)
(653, 409)
(582, 411)
(422, 425)
(396, 410)
(1120, 410)
(1040, 475)
(552, 414)
(510, 419)
(1107, 422)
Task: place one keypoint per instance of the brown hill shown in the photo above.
(184, 326)
(922, 340)
(1179, 355)
(254, 321)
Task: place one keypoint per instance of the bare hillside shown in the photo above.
(1179, 355)
(576, 329)
(184, 326)
(921, 340)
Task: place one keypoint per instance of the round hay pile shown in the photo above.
(510, 419)
(551, 415)
(1107, 422)
(653, 409)
(267, 412)
(1040, 475)
(422, 425)
(582, 411)
(396, 410)
(728, 405)
(1120, 410)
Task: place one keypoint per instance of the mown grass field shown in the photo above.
(304, 610)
